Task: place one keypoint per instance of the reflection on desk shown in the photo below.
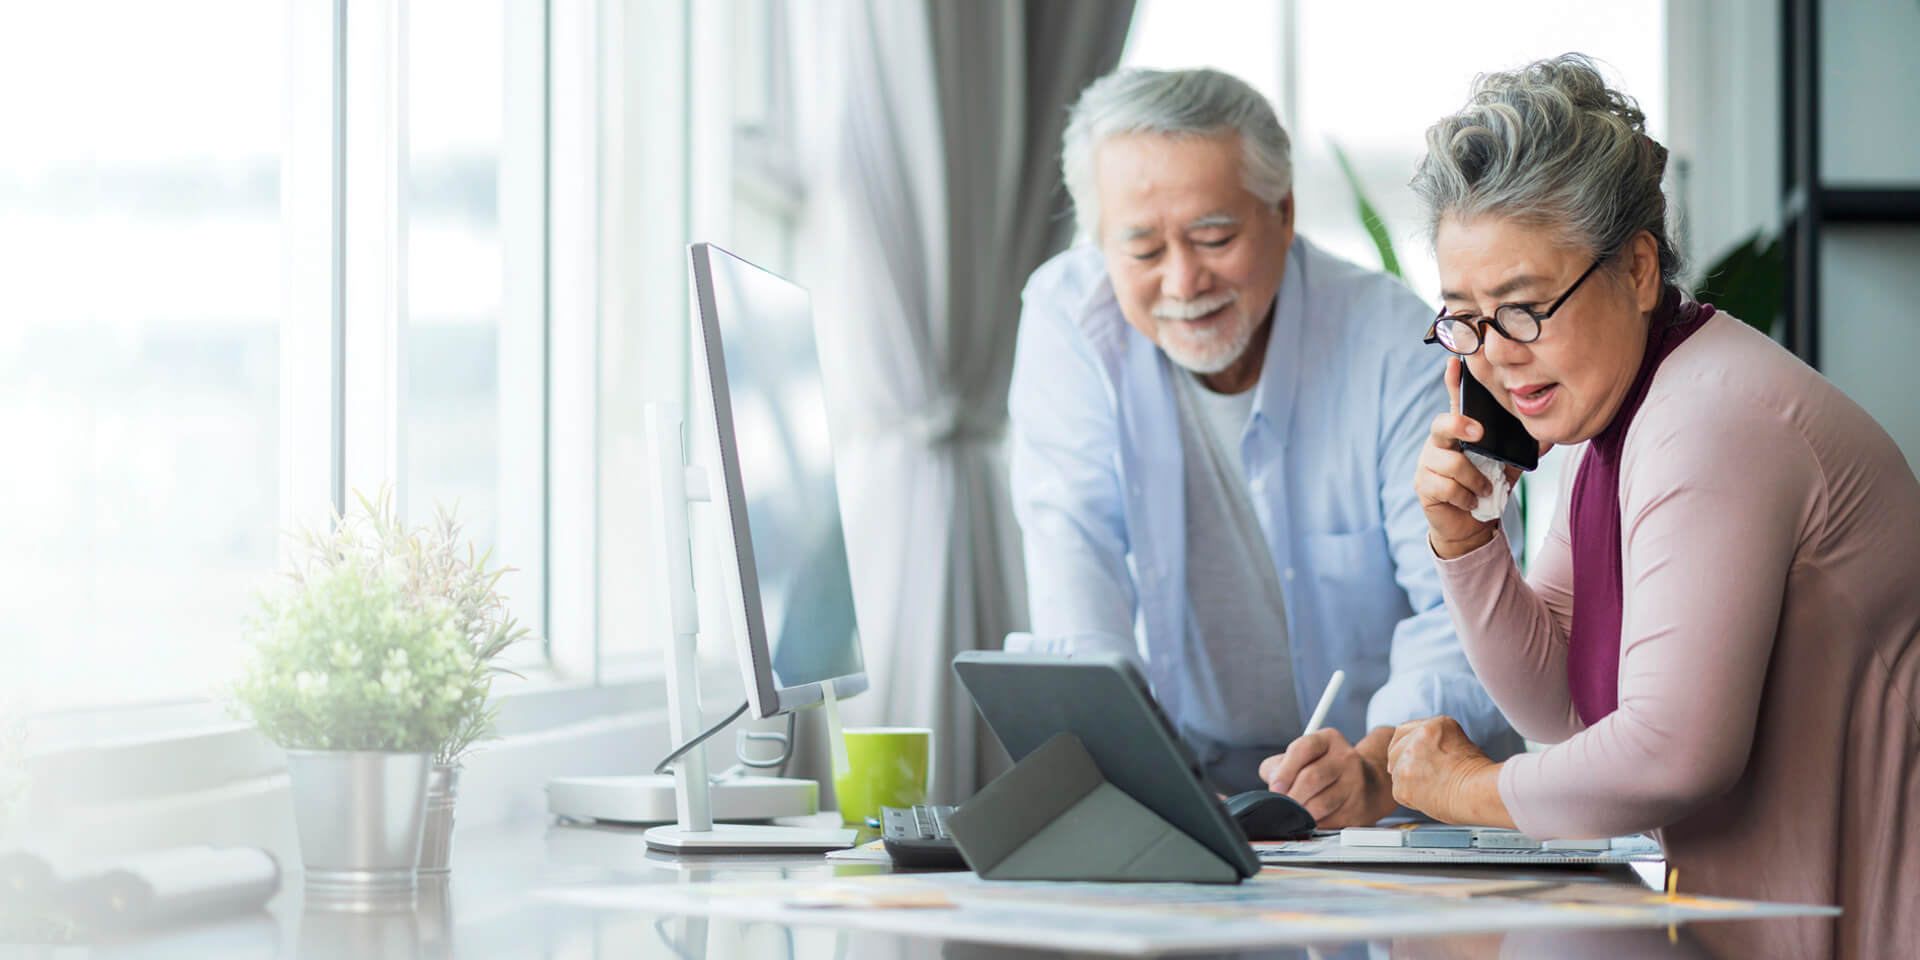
(484, 911)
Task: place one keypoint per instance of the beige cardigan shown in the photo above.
(1769, 692)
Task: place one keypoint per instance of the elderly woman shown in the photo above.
(1718, 638)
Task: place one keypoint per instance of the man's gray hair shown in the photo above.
(1550, 144)
(1173, 103)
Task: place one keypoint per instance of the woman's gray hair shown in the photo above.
(1550, 144)
(1173, 103)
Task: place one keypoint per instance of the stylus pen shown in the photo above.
(1326, 701)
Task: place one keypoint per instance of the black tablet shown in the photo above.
(1103, 699)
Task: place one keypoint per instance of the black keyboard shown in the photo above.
(917, 837)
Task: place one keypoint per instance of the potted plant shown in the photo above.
(362, 678)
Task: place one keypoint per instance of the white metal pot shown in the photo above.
(359, 814)
(436, 842)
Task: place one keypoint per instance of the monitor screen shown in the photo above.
(769, 413)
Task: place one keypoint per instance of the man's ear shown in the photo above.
(1282, 223)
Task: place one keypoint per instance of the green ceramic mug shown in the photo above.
(886, 767)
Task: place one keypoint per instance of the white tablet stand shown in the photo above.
(1055, 816)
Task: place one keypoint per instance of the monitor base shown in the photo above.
(750, 838)
(651, 799)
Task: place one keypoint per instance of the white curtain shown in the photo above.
(935, 191)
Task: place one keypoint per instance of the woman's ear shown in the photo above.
(1643, 268)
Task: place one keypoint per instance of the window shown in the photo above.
(1374, 91)
(140, 354)
(1378, 107)
(248, 279)
(767, 191)
(321, 248)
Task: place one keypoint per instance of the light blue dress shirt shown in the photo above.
(1345, 401)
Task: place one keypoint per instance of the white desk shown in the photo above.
(484, 910)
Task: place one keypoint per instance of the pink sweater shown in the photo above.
(1769, 694)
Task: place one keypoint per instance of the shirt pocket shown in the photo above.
(1357, 601)
(1352, 578)
(1348, 559)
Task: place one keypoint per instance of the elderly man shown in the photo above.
(1214, 423)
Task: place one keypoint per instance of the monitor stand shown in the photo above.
(650, 799)
(695, 832)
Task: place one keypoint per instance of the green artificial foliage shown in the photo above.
(349, 661)
(1369, 217)
(385, 640)
(1749, 281)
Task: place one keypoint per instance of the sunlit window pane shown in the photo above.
(474, 395)
(455, 261)
(139, 340)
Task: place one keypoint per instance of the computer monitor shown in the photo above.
(759, 426)
(779, 587)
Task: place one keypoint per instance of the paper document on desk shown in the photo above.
(1441, 844)
(873, 852)
(1280, 905)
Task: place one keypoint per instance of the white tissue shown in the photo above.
(1494, 504)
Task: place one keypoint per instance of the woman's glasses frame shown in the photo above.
(1449, 330)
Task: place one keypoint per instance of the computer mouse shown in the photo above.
(1265, 815)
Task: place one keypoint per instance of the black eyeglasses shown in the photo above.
(1464, 333)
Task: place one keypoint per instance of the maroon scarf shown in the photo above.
(1593, 656)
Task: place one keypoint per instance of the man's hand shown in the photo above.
(1342, 785)
(1439, 772)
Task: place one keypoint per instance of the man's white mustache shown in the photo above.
(1192, 309)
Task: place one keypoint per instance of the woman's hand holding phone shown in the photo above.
(1448, 485)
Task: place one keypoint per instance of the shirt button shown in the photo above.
(1288, 574)
(1259, 485)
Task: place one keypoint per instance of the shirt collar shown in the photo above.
(1273, 394)
(1099, 316)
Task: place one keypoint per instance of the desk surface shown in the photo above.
(484, 910)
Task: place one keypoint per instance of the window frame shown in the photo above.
(573, 305)
(527, 318)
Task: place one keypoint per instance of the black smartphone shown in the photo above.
(1506, 439)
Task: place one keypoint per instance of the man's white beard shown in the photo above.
(1205, 351)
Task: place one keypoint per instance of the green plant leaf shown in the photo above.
(1749, 281)
(1369, 217)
